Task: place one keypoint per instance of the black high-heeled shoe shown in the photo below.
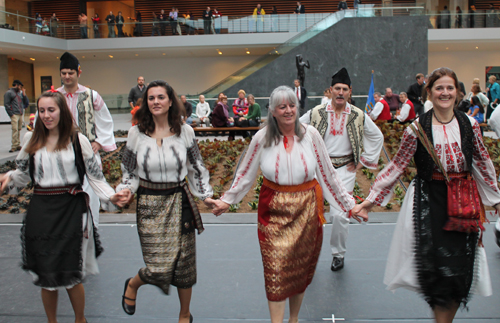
(129, 309)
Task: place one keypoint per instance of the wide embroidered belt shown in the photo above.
(440, 177)
(338, 162)
(169, 185)
(57, 190)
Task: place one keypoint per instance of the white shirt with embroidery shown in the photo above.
(405, 111)
(337, 140)
(58, 168)
(447, 143)
(308, 160)
(103, 121)
(176, 158)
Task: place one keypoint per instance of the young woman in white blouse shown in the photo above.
(441, 262)
(60, 245)
(161, 152)
(297, 173)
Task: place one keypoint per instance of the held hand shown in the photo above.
(220, 207)
(497, 207)
(5, 180)
(359, 213)
(209, 202)
(96, 147)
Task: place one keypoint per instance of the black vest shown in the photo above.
(423, 161)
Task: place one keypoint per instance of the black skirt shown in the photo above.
(444, 259)
(52, 236)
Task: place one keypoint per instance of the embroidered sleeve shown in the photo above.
(483, 170)
(130, 171)
(103, 124)
(93, 171)
(373, 140)
(247, 171)
(333, 188)
(381, 191)
(198, 176)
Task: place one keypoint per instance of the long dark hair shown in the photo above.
(439, 73)
(66, 125)
(475, 101)
(144, 117)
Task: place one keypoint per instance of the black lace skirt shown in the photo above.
(52, 236)
(444, 259)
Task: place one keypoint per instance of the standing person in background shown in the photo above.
(207, 21)
(472, 16)
(203, 112)
(111, 19)
(38, 23)
(82, 18)
(162, 18)
(91, 115)
(353, 141)
(96, 20)
(138, 23)
(136, 92)
(189, 22)
(493, 93)
(54, 24)
(476, 110)
(342, 5)
(14, 100)
(120, 20)
(155, 28)
(258, 15)
(172, 16)
(217, 23)
(415, 92)
(300, 9)
(458, 18)
(301, 94)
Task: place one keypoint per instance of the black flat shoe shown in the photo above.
(337, 263)
(190, 318)
(129, 309)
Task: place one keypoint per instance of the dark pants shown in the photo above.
(53, 31)
(206, 26)
(120, 30)
(163, 27)
(111, 31)
(155, 31)
(83, 32)
(173, 25)
(138, 29)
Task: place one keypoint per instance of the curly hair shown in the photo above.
(176, 111)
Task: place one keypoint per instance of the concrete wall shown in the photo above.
(395, 47)
(186, 75)
(466, 64)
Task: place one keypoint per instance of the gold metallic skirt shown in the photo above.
(290, 236)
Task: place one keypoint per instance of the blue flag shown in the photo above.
(370, 102)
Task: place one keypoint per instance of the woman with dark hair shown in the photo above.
(161, 151)
(59, 242)
(297, 174)
(96, 20)
(476, 110)
(436, 250)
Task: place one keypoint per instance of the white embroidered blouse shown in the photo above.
(307, 160)
(176, 158)
(447, 143)
(58, 168)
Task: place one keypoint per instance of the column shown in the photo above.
(4, 76)
(2, 14)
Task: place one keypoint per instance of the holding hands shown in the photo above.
(360, 211)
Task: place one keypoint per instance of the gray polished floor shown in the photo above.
(230, 284)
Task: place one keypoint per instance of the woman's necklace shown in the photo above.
(441, 122)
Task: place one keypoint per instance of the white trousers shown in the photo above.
(340, 220)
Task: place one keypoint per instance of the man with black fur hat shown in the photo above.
(91, 115)
(353, 141)
(14, 100)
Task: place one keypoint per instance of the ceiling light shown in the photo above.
(164, 54)
(57, 57)
(110, 56)
(136, 54)
(32, 58)
(83, 56)
(477, 47)
(446, 47)
(220, 53)
(248, 52)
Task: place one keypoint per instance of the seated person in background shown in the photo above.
(189, 110)
(391, 99)
(202, 111)
(253, 116)
(221, 118)
(476, 110)
(381, 110)
(407, 111)
(327, 96)
(240, 109)
(134, 110)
